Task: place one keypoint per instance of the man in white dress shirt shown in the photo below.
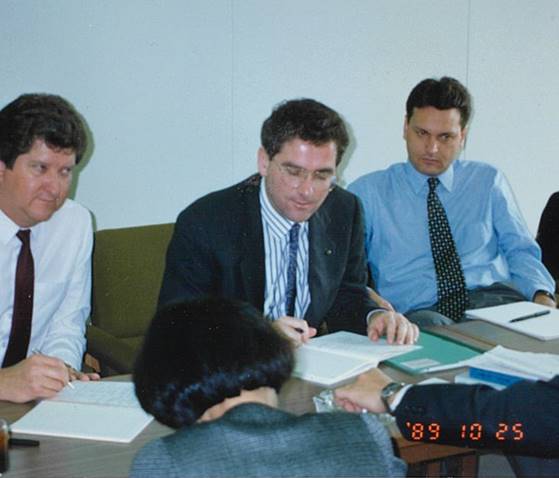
(45, 249)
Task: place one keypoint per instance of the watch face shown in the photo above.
(391, 389)
(388, 391)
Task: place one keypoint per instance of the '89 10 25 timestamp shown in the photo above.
(467, 431)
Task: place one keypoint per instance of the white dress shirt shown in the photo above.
(61, 249)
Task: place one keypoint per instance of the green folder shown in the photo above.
(435, 351)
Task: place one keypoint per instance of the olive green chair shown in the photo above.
(128, 267)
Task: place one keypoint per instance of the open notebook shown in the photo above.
(107, 411)
(338, 356)
(523, 317)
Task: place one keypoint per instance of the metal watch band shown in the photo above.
(388, 391)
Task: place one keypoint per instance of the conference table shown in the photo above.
(63, 457)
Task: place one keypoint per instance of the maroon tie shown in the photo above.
(23, 303)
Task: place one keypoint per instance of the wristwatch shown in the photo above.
(546, 293)
(390, 390)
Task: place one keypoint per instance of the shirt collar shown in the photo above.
(418, 181)
(8, 228)
(279, 225)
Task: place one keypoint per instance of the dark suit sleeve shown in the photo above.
(477, 416)
(189, 267)
(548, 236)
(352, 304)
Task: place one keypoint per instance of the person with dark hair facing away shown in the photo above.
(286, 240)
(212, 369)
(444, 235)
(45, 249)
(548, 236)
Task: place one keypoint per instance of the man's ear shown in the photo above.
(405, 129)
(3, 168)
(263, 161)
(464, 134)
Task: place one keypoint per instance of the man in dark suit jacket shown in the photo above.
(522, 419)
(236, 243)
(223, 403)
(548, 237)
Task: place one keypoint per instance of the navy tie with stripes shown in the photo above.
(291, 289)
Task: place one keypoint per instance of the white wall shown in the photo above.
(175, 91)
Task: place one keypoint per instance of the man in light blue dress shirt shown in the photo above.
(500, 260)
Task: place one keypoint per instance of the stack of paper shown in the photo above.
(528, 365)
(527, 318)
(504, 366)
(107, 411)
(338, 356)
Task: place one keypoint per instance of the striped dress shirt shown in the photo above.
(276, 252)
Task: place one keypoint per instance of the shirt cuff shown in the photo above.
(398, 398)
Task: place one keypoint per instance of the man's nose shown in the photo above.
(52, 184)
(432, 145)
(307, 185)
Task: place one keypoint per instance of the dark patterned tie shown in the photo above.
(23, 303)
(451, 285)
(291, 288)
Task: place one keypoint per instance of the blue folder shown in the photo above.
(499, 378)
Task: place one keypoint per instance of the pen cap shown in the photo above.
(4, 446)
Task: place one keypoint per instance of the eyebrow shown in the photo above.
(49, 164)
(447, 133)
(322, 170)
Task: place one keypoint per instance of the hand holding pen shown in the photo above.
(35, 377)
(297, 330)
(74, 374)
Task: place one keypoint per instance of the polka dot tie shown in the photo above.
(451, 285)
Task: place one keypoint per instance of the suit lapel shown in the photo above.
(252, 261)
(322, 253)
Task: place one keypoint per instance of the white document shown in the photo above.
(528, 365)
(107, 411)
(543, 327)
(335, 357)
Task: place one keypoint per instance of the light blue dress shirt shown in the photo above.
(491, 236)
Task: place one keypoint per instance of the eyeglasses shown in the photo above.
(294, 176)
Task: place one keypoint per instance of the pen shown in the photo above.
(23, 442)
(68, 366)
(530, 316)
